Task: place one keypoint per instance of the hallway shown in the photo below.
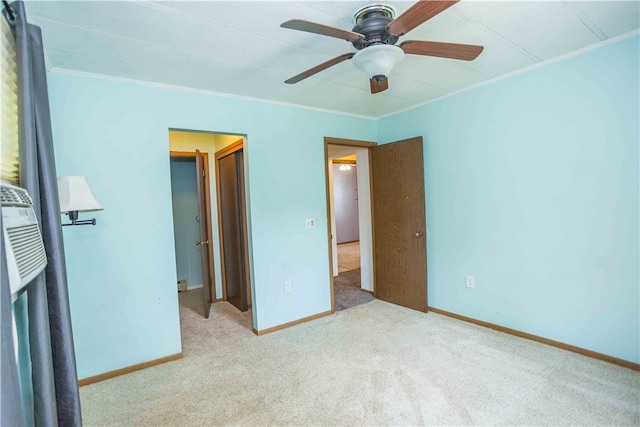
(348, 256)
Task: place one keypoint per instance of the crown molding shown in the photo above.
(203, 92)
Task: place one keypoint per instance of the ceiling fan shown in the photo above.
(375, 33)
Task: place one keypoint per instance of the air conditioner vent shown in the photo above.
(10, 196)
(27, 248)
(24, 248)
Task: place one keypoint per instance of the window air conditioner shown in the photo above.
(24, 248)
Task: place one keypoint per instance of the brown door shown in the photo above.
(399, 224)
(204, 232)
(231, 185)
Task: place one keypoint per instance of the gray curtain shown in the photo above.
(55, 383)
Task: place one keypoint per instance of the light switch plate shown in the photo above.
(470, 281)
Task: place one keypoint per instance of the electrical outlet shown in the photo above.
(287, 286)
(310, 222)
(470, 281)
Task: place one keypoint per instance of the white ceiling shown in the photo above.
(238, 47)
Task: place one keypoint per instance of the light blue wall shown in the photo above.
(532, 185)
(184, 200)
(122, 275)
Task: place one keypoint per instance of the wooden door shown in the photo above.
(201, 177)
(399, 224)
(231, 186)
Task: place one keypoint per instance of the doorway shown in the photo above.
(349, 211)
(192, 224)
(345, 200)
(392, 217)
(185, 144)
(348, 289)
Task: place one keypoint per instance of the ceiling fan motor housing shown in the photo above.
(371, 22)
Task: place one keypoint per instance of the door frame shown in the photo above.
(356, 144)
(207, 189)
(230, 149)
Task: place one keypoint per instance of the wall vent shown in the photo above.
(25, 253)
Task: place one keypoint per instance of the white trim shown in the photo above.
(192, 287)
(204, 92)
(519, 71)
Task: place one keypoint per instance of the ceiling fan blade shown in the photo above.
(311, 71)
(325, 30)
(466, 52)
(420, 12)
(377, 86)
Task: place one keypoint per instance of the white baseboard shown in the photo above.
(192, 287)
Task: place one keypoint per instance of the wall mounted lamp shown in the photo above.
(377, 61)
(75, 196)
(345, 167)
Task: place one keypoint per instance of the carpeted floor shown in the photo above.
(375, 364)
(347, 291)
(348, 256)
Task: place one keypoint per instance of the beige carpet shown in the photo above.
(374, 364)
(348, 256)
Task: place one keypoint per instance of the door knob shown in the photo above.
(202, 242)
(419, 234)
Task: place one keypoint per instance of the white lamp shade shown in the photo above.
(378, 60)
(75, 195)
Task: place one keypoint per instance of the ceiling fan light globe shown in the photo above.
(378, 60)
